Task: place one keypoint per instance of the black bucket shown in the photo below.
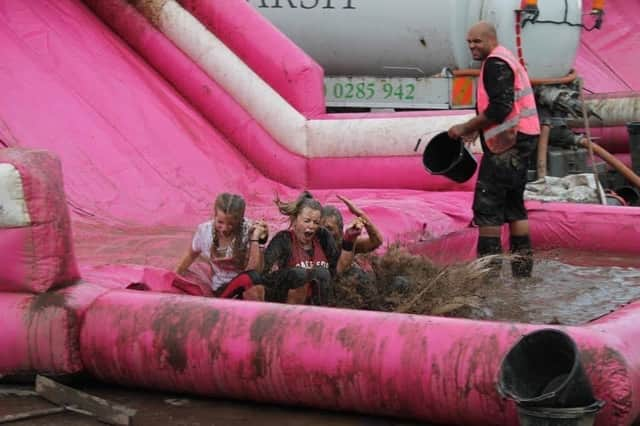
(540, 416)
(543, 369)
(449, 157)
(629, 194)
(633, 129)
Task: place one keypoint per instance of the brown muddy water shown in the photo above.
(566, 287)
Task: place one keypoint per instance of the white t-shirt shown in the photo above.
(224, 270)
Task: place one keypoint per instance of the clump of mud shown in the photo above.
(399, 281)
(150, 8)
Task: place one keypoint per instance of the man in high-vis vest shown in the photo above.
(509, 127)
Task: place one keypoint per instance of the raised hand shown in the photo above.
(352, 207)
(353, 231)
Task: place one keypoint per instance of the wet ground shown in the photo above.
(156, 409)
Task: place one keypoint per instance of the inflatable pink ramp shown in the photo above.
(141, 137)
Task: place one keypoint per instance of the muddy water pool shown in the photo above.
(567, 287)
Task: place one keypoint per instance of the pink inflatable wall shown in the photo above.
(38, 256)
(605, 57)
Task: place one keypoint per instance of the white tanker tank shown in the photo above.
(418, 38)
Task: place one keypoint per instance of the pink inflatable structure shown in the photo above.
(146, 139)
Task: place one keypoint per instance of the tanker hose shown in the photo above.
(568, 79)
(610, 159)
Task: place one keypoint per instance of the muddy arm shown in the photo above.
(187, 260)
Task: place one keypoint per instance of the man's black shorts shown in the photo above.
(499, 190)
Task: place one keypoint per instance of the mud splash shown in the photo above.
(559, 292)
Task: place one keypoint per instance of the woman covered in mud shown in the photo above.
(358, 278)
(301, 262)
(332, 220)
(232, 247)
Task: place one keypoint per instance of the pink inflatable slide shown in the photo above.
(145, 139)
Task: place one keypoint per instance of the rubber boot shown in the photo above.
(522, 263)
(488, 246)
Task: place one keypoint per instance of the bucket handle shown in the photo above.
(506, 394)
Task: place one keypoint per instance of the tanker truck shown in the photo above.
(413, 54)
(391, 54)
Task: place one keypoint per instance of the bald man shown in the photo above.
(508, 124)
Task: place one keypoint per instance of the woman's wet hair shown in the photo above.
(293, 208)
(231, 204)
(332, 211)
(235, 206)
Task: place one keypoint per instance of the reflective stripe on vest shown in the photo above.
(523, 116)
(507, 124)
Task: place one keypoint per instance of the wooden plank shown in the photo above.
(31, 414)
(76, 400)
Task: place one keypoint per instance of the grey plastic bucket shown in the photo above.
(449, 157)
(541, 416)
(543, 369)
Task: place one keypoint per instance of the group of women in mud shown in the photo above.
(299, 265)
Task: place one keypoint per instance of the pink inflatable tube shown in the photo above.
(203, 93)
(584, 227)
(271, 55)
(613, 139)
(379, 172)
(40, 332)
(434, 369)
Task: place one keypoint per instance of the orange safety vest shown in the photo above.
(523, 117)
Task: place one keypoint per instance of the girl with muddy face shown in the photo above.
(306, 224)
(301, 262)
(231, 246)
(332, 220)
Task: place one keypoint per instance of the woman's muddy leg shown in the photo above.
(284, 281)
(300, 295)
(255, 293)
(320, 279)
